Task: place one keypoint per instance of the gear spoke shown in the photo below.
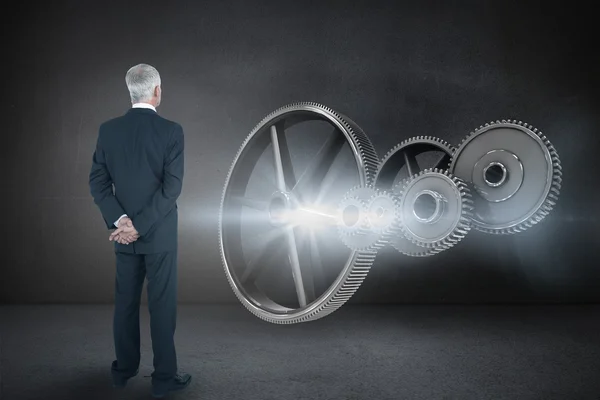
(281, 155)
(306, 264)
(318, 274)
(443, 162)
(295, 264)
(411, 163)
(318, 168)
(286, 158)
(264, 259)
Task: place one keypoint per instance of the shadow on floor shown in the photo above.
(92, 384)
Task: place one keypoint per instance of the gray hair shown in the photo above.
(141, 80)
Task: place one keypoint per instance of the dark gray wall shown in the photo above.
(416, 69)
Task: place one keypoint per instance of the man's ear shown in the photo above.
(157, 91)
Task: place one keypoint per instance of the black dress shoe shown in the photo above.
(120, 381)
(180, 381)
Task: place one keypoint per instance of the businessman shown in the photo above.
(135, 180)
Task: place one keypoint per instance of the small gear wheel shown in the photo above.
(354, 224)
(516, 174)
(384, 216)
(436, 209)
(353, 217)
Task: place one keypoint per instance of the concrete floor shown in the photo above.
(358, 352)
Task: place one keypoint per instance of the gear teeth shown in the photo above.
(441, 144)
(375, 247)
(424, 253)
(552, 197)
(351, 193)
(418, 139)
(362, 265)
(363, 144)
(357, 271)
(464, 219)
(365, 147)
(400, 186)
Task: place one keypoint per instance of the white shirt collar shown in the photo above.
(143, 105)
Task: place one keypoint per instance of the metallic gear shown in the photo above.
(353, 216)
(384, 215)
(436, 209)
(399, 241)
(354, 224)
(285, 245)
(400, 164)
(516, 174)
(401, 160)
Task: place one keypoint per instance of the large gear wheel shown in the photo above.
(436, 209)
(401, 162)
(515, 172)
(280, 268)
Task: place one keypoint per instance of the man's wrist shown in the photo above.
(119, 220)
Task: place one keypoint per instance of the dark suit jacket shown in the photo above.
(140, 154)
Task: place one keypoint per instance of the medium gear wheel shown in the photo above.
(297, 272)
(516, 174)
(401, 161)
(436, 209)
(354, 224)
(399, 241)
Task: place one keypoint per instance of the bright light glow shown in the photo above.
(312, 217)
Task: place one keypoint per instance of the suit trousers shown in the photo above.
(161, 271)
